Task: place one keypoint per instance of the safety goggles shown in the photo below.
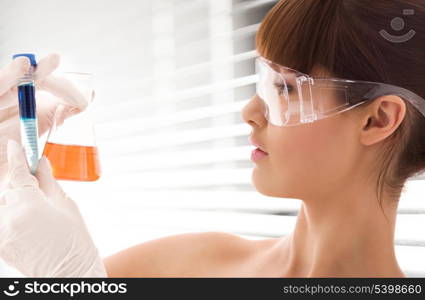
(292, 98)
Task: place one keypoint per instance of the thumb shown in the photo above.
(51, 188)
(18, 171)
(11, 73)
(46, 180)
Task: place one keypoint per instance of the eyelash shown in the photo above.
(281, 87)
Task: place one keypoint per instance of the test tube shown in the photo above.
(28, 115)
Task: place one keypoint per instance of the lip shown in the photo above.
(253, 142)
(258, 153)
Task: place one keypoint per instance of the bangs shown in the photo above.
(300, 34)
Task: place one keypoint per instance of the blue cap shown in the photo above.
(29, 55)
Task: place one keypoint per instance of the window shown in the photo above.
(172, 77)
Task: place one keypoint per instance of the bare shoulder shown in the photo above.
(206, 254)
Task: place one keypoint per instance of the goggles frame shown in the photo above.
(308, 101)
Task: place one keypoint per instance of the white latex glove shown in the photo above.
(51, 90)
(42, 233)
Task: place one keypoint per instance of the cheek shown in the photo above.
(296, 155)
(306, 156)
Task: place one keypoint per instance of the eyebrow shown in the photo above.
(281, 69)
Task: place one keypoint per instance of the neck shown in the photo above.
(343, 236)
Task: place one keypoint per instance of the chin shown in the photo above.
(264, 186)
(268, 187)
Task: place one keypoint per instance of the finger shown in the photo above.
(18, 174)
(12, 72)
(59, 86)
(3, 163)
(51, 188)
(47, 182)
(50, 111)
(46, 66)
(3, 196)
(66, 92)
(46, 108)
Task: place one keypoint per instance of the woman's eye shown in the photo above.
(281, 88)
(289, 87)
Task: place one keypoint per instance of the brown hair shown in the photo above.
(344, 37)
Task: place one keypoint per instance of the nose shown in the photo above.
(253, 112)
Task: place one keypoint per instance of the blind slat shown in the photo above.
(135, 162)
(139, 143)
(193, 69)
(114, 128)
(181, 95)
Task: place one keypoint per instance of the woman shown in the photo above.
(337, 121)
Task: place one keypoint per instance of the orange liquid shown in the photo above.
(72, 162)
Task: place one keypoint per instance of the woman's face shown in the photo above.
(302, 160)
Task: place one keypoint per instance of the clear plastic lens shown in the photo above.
(279, 91)
(293, 98)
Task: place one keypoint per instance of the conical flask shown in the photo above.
(71, 144)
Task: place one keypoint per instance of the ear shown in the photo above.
(382, 118)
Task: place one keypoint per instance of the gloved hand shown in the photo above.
(51, 90)
(42, 233)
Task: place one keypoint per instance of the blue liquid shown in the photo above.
(26, 95)
(29, 126)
